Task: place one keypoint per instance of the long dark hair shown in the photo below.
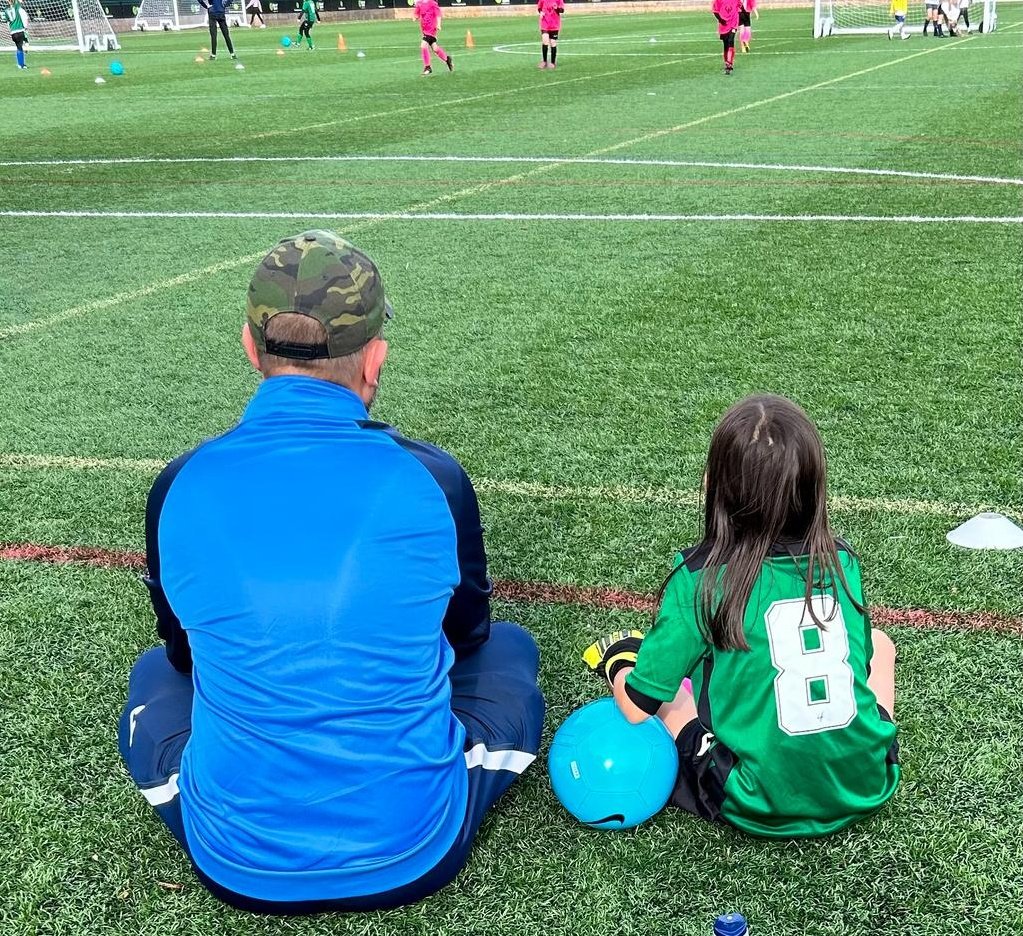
(766, 481)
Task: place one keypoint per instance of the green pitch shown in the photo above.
(575, 366)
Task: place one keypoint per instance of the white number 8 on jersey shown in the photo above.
(814, 686)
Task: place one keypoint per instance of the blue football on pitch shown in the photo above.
(609, 773)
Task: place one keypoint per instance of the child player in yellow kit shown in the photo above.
(898, 9)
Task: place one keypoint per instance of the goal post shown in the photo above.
(872, 17)
(182, 14)
(65, 26)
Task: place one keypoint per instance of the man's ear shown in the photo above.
(373, 361)
(249, 344)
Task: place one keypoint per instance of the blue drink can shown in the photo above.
(731, 924)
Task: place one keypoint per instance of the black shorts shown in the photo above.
(703, 769)
(19, 38)
(429, 40)
(550, 33)
(744, 18)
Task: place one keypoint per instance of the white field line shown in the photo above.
(630, 494)
(560, 160)
(77, 311)
(186, 278)
(513, 49)
(451, 102)
(131, 295)
(762, 102)
(644, 138)
(379, 216)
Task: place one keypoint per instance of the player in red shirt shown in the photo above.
(428, 14)
(726, 12)
(550, 25)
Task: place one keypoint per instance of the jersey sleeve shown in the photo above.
(674, 645)
(467, 619)
(168, 626)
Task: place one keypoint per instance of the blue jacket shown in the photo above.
(216, 7)
(318, 573)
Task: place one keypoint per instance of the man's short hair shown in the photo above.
(293, 327)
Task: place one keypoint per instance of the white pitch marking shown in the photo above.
(499, 216)
(451, 102)
(122, 297)
(561, 160)
(666, 497)
(24, 328)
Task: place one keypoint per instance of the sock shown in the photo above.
(543, 51)
(925, 26)
(440, 53)
(20, 55)
(309, 39)
(426, 56)
(730, 56)
(966, 18)
(554, 54)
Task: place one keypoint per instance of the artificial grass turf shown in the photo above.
(90, 858)
(591, 355)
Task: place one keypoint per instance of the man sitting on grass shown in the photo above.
(334, 713)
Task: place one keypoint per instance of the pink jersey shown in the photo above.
(550, 14)
(428, 14)
(728, 10)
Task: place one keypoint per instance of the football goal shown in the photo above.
(852, 17)
(64, 25)
(182, 14)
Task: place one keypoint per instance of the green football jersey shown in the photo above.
(15, 17)
(796, 728)
(309, 11)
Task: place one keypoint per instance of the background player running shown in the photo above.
(217, 10)
(788, 731)
(307, 19)
(726, 12)
(747, 9)
(16, 18)
(550, 25)
(428, 14)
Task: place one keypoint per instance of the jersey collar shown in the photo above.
(293, 396)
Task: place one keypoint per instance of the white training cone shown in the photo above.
(100, 79)
(988, 531)
(653, 39)
(239, 67)
(360, 54)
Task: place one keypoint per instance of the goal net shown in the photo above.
(181, 14)
(68, 25)
(851, 17)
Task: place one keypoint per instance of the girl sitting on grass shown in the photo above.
(788, 729)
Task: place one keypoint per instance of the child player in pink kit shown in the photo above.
(428, 14)
(550, 25)
(726, 12)
(746, 8)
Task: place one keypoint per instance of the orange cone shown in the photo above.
(341, 45)
(470, 43)
(45, 72)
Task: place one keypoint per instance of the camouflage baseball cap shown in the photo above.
(319, 274)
